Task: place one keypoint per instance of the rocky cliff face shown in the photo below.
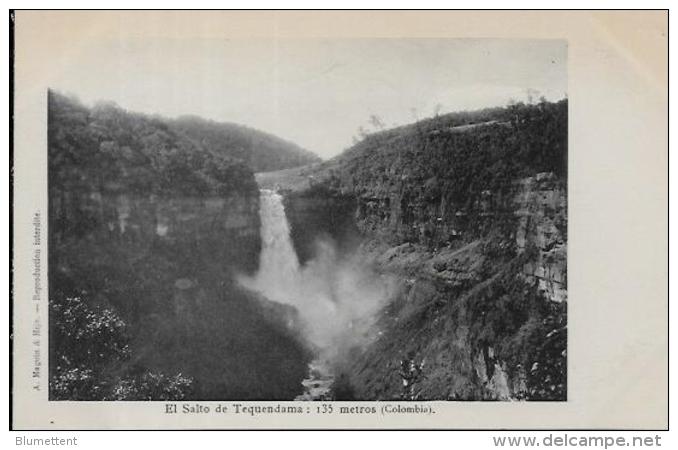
(541, 205)
(485, 311)
(473, 220)
(315, 216)
(486, 315)
(147, 223)
(167, 265)
(226, 226)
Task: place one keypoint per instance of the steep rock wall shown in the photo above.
(484, 287)
(317, 216)
(485, 314)
(541, 206)
(229, 226)
(167, 266)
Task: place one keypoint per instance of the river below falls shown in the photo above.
(318, 385)
(281, 278)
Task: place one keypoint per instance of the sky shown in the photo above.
(314, 92)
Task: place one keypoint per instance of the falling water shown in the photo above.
(279, 276)
(336, 298)
(282, 279)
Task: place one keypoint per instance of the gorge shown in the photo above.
(443, 242)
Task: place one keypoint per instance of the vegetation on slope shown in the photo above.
(90, 346)
(181, 324)
(261, 151)
(451, 191)
(444, 171)
(112, 150)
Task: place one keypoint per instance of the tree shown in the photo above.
(152, 386)
(436, 109)
(376, 122)
(89, 343)
(84, 340)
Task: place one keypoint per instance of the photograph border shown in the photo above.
(13, 255)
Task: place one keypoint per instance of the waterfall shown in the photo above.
(279, 274)
(336, 298)
(282, 279)
(331, 294)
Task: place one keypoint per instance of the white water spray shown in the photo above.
(278, 277)
(332, 296)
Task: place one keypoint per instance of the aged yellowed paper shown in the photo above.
(340, 219)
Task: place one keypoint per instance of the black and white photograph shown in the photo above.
(345, 220)
(369, 219)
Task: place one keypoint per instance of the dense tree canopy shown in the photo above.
(262, 152)
(461, 154)
(108, 149)
(90, 343)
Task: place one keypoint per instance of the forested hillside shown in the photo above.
(261, 151)
(152, 220)
(470, 211)
(147, 229)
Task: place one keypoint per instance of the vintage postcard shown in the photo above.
(426, 220)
